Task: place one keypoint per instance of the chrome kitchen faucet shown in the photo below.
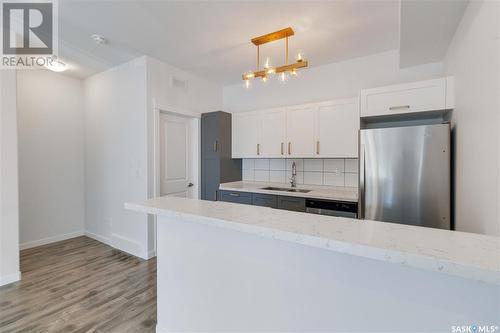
(293, 179)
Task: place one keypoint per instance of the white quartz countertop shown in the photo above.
(317, 192)
(472, 256)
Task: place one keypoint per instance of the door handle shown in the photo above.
(317, 147)
(399, 107)
(216, 144)
(282, 144)
(234, 194)
(289, 148)
(258, 149)
(190, 185)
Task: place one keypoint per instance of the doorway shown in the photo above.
(178, 156)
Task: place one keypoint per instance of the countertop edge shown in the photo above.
(227, 187)
(423, 262)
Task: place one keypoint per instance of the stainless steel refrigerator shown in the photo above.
(404, 175)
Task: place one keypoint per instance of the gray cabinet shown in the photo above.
(292, 203)
(265, 200)
(236, 197)
(217, 166)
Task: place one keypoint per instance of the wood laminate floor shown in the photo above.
(80, 285)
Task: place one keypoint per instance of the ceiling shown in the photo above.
(427, 28)
(212, 39)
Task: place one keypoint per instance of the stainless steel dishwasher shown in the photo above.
(332, 208)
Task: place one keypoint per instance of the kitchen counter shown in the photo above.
(466, 255)
(349, 194)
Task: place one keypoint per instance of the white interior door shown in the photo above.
(176, 156)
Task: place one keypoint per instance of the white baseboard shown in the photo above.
(98, 238)
(151, 254)
(7, 279)
(128, 245)
(159, 330)
(123, 244)
(49, 240)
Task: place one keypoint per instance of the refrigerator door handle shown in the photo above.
(361, 193)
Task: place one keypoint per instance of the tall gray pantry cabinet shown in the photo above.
(217, 166)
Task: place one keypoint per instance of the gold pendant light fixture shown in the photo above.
(282, 71)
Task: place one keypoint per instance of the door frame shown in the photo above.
(195, 119)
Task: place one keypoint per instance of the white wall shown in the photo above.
(9, 207)
(473, 58)
(338, 80)
(119, 134)
(116, 156)
(198, 96)
(51, 166)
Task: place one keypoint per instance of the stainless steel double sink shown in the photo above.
(284, 189)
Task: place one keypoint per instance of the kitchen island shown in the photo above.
(232, 267)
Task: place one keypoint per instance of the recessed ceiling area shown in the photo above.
(427, 28)
(212, 39)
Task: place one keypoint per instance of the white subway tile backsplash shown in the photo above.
(277, 176)
(351, 165)
(248, 164)
(315, 164)
(313, 178)
(331, 172)
(335, 165)
(333, 179)
(299, 164)
(261, 164)
(351, 179)
(277, 164)
(248, 175)
(262, 175)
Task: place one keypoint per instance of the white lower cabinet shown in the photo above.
(336, 128)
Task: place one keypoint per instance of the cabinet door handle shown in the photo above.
(234, 194)
(399, 107)
(258, 149)
(289, 148)
(215, 195)
(317, 147)
(282, 144)
(216, 144)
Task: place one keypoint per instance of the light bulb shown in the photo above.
(250, 75)
(247, 83)
(264, 79)
(294, 72)
(268, 63)
(299, 57)
(284, 76)
(270, 71)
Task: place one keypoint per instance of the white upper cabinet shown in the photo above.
(300, 131)
(337, 126)
(419, 96)
(246, 135)
(323, 130)
(273, 133)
